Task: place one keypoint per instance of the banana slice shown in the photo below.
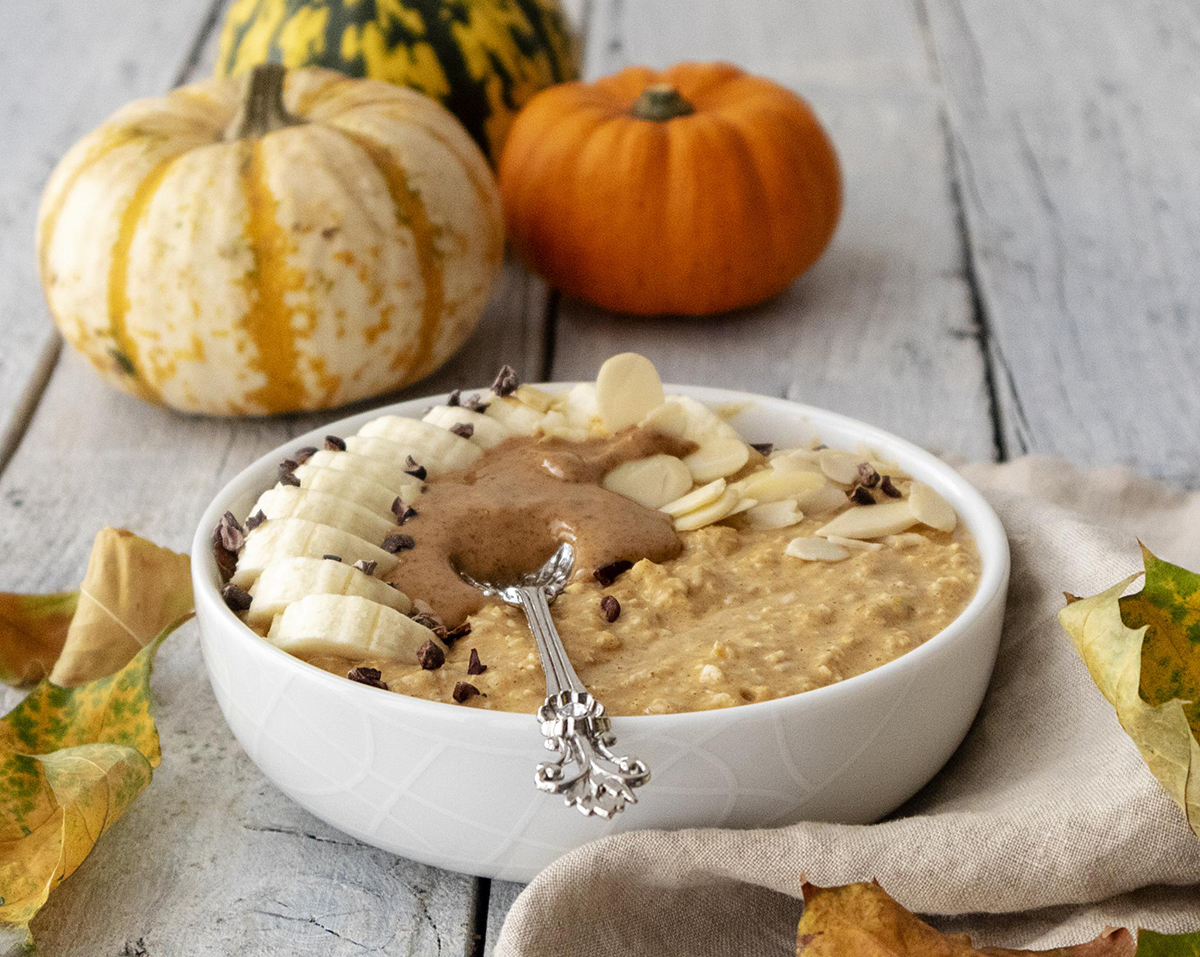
(683, 416)
(557, 424)
(353, 487)
(813, 549)
(669, 418)
(696, 498)
(515, 416)
(485, 432)
(287, 501)
(769, 485)
(293, 579)
(383, 472)
(931, 509)
(870, 521)
(437, 449)
(774, 515)
(652, 482)
(347, 625)
(627, 390)
(296, 537)
(717, 458)
(707, 514)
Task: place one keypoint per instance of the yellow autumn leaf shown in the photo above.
(72, 760)
(861, 919)
(33, 629)
(1143, 652)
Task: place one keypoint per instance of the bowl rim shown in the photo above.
(981, 519)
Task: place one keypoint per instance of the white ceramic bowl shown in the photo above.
(453, 786)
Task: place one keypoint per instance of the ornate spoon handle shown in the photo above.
(584, 769)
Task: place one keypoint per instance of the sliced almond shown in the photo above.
(774, 515)
(707, 514)
(669, 418)
(841, 467)
(627, 390)
(717, 458)
(870, 521)
(930, 508)
(795, 460)
(696, 498)
(652, 482)
(537, 399)
(813, 549)
(743, 505)
(853, 543)
(771, 486)
(828, 498)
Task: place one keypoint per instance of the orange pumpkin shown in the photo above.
(692, 190)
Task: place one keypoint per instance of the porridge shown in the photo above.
(709, 572)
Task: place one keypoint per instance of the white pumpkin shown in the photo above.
(289, 240)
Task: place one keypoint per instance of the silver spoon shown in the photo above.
(584, 769)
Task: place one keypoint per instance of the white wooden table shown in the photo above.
(1015, 272)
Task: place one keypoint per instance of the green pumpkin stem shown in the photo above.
(262, 109)
(661, 102)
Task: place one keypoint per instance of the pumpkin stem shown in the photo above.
(661, 102)
(262, 109)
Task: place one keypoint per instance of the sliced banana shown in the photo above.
(292, 579)
(930, 508)
(485, 432)
(627, 390)
(813, 549)
(696, 498)
(437, 449)
(870, 521)
(691, 420)
(780, 514)
(347, 625)
(670, 418)
(383, 472)
(288, 501)
(717, 458)
(284, 538)
(768, 485)
(652, 482)
(350, 487)
(707, 514)
(558, 425)
(515, 416)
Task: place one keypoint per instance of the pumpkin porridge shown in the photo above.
(709, 572)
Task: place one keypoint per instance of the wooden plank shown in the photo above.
(883, 327)
(66, 66)
(212, 854)
(1076, 132)
(500, 900)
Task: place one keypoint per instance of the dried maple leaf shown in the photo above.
(1143, 652)
(863, 921)
(72, 760)
(76, 636)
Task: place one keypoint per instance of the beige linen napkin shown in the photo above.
(1044, 827)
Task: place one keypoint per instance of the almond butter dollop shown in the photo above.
(506, 514)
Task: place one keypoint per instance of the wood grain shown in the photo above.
(1076, 130)
(883, 328)
(66, 66)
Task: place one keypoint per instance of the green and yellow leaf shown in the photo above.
(1143, 652)
(33, 629)
(72, 760)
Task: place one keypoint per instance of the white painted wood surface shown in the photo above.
(1014, 270)
(1076, 129)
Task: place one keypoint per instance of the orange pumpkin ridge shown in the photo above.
(694, 190)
